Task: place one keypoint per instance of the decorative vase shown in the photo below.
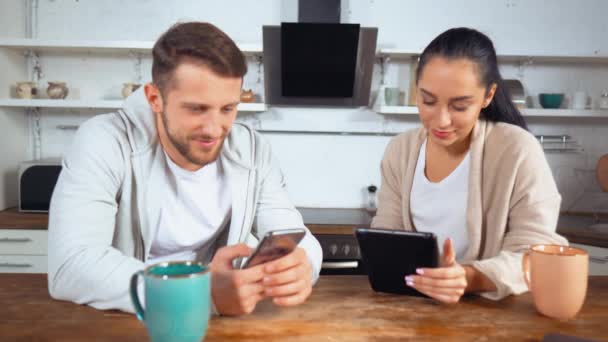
(26, 90)
(247, 96)
(129, 88)
(57, 90)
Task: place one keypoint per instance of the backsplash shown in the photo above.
(333, 170)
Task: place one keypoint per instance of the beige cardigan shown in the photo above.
(513, 200)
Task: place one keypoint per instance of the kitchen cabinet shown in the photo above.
(23, 251)
(23, 242)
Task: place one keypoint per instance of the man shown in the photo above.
(171, 176)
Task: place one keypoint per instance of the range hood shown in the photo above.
(318, 61)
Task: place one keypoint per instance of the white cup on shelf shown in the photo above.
(391, 96)
(579, 100)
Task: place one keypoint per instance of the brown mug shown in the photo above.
(557, 277)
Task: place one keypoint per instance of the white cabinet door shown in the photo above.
(23, 264)
(598, 259)
(23, 242)
(23, 251)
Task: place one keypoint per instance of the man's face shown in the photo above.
(196, 114)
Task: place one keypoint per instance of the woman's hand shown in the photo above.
(446, 283)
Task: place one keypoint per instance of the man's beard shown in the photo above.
(182, 146)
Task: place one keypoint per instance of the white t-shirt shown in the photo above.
(197, 207)
(441, 207)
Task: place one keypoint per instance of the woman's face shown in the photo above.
(450, 97)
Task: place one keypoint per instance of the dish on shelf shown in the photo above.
(550, 101)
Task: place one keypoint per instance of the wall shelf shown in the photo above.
(41, 45)
(397, 110)
(565, 113)
(118, 46)
(565, 58)
(252, 107)
(49, 103)
(97, 104)
(528, 112)
(262, 107)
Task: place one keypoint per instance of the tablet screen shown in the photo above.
(390, 255)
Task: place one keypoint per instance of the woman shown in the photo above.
(473, 174)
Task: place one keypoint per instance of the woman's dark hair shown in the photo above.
(198, 42)
(466, 43)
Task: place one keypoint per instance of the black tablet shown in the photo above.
(390, 255)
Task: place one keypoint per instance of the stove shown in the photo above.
(341, 254)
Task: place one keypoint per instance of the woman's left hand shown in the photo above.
(446, 283)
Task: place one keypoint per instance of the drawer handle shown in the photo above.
(599, 260)
(11, 265)
(15, 240)
(339, 264)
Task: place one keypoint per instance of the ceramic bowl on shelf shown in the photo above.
(129, 88)
(26, 90)
(247, 96)
(551, 101)
(57, 90)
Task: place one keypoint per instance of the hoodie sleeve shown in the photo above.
(83, 266)
(275, 211)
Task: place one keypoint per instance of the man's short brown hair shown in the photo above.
(199, 43)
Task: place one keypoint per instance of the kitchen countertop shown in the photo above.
(586, 229)
(13, 219)
(341, 308)
(576, 227)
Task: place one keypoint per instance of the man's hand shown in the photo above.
(235, 291)
(288, 280)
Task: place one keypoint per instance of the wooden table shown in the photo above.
(342, 308)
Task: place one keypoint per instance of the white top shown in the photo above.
(196, 207)
(441, 207)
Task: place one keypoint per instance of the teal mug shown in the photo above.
(178, 296)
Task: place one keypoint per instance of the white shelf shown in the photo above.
(98, 104)
(252, 107)
(398, 53)
(528, 112)
(594, 59)
(46, 103)
(597, 58)
(398, 110)
(565, 113)
(26, 44)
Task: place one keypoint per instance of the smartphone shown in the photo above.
(275, 244)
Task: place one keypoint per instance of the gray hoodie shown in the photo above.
(107, 203)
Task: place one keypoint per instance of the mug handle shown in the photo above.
(139, 311)
(525, 264)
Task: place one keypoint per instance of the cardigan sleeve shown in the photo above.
(532, 219)
(390, 214)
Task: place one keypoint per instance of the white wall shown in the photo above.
(332, 170)
(516, 26)
(13, 123)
